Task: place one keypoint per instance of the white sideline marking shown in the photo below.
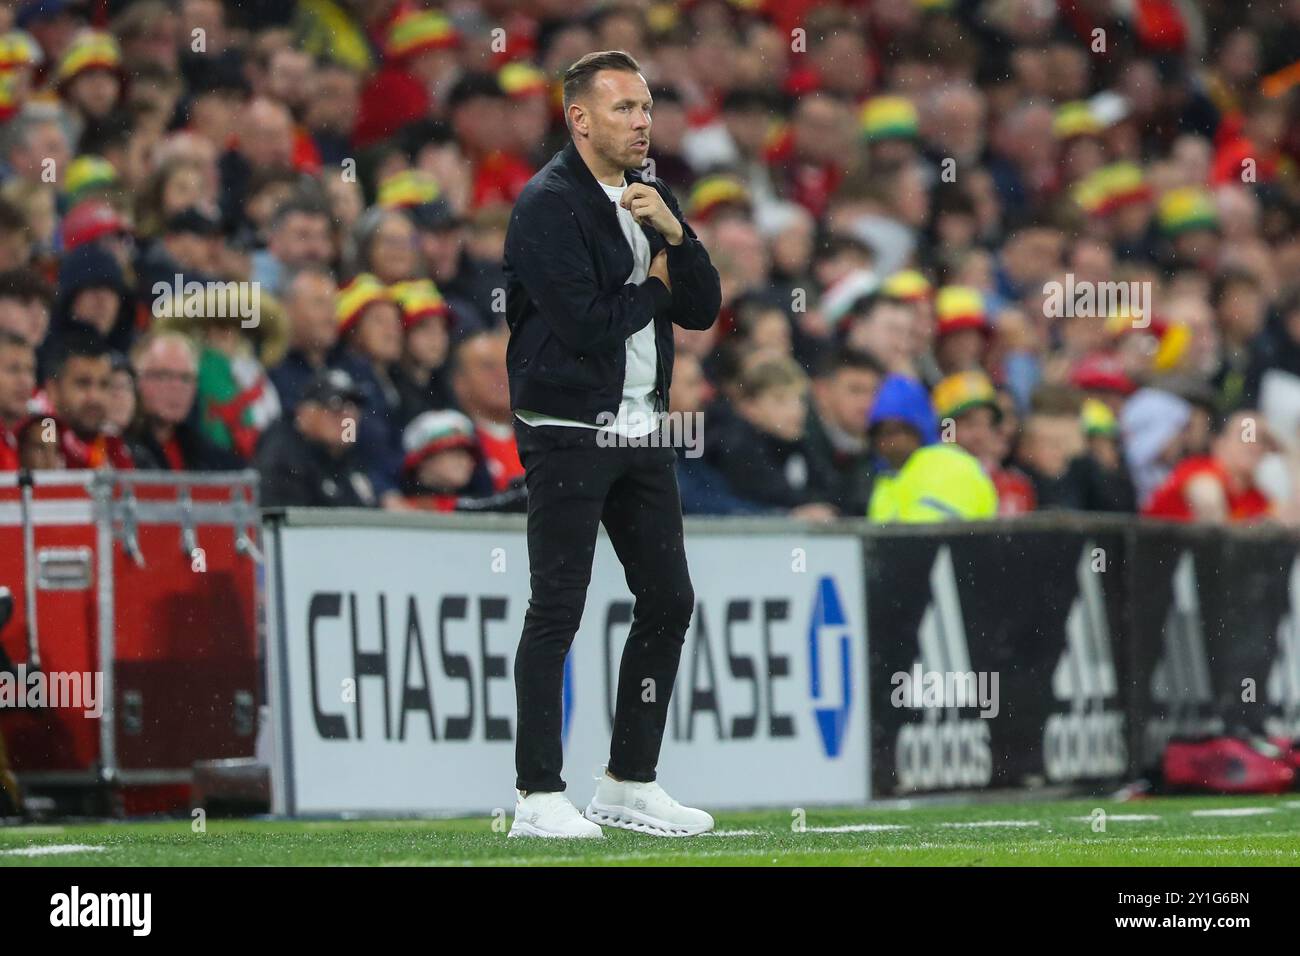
(1124, 817)
(1233, 812)
(1140, 842)
(993, 823)
(51, 849)
(858, 828)
(731, 833)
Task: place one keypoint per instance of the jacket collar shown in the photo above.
(571, 161)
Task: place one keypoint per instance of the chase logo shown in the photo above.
(831, 702)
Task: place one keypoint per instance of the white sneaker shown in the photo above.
(644, 807)
(549, 814)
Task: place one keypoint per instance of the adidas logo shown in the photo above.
(1089, 740)
(954, 752)
(1282, 686)
(1181, 678)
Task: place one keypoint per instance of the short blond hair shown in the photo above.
(771, 374)
(147, 341)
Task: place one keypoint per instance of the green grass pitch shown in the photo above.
(1180, 831)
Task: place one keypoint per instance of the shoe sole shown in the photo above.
(521, 829)
(626, 819)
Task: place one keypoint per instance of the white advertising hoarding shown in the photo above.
(393, 655)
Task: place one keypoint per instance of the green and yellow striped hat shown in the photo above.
(418, 31)
(961, 392)
(522, 79)
(406, 188)
(713, 191)
(419, 299)
(19, 49)
(1185, 209)
(89, 50)
(888, 117)
(907, 286)
(86, 174)
(9, 94)
(960, 307)
(357, 296)
(1075, 119)
(1097, 419)
(1110, 188)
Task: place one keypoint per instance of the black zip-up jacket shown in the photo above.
(569, 305)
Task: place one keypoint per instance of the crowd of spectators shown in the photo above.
(978, 257)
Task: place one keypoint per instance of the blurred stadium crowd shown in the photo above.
(923, 213)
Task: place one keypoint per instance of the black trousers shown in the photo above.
(574, 486)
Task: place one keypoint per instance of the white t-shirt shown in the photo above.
(636, 411)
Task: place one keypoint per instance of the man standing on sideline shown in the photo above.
(599, 266)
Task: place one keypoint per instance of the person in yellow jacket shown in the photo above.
(927, 480)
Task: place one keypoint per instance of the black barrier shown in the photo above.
(1064, 651)
(1212, 643)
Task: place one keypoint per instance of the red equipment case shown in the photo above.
(153, 579)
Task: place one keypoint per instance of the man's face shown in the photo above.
(748, 127)
(616, 116)
(327, 423)
(121, 401)
(36, 453)
(481, 384)
(483, 124)
(820, 130)
(192, 251)
(976, 431)
(301, 240)
(15, 250)
(335, 98)
(80, 393)
(168, 382)
(885, 333)
(44, 141)
(15, 319)
(962, 350)
(392, 250)
(17, 380)
(689, 385)
(895, 441)
(427, 341)
(96, 91)
(1240, 447)
(448, 470)
(96, 308)
(38, 320)
(441, 250)
(1242, 311)
(268, 135)
(379, 333)
(311, 311)
(530, 118)
(1032, 256)
(778, 411)
(290, 76)
(846, 398)
(1050, 442)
